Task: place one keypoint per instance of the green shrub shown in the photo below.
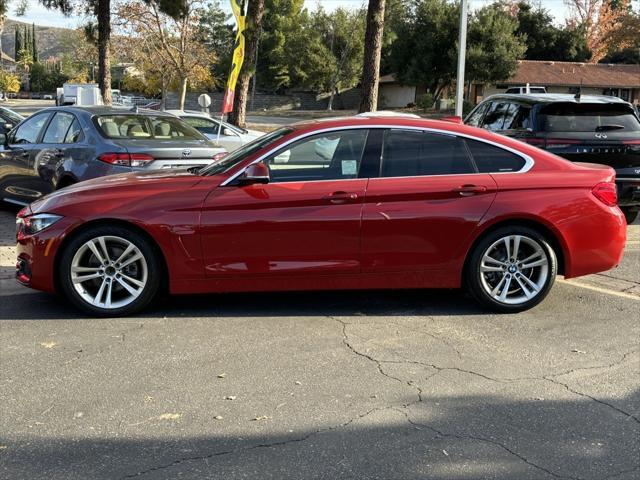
(425, 101)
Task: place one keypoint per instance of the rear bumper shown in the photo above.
(628, 191)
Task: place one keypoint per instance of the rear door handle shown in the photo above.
(469, 190)
(341, 197)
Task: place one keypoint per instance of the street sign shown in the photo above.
(204, 100)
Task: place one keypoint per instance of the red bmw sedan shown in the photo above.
(357, 203)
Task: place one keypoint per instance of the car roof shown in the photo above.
(533, 98)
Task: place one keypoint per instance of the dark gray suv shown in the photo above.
(60, 146)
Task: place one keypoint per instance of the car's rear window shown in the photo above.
(573, 117)
(134, 126)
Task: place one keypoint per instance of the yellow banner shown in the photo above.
(238, 56)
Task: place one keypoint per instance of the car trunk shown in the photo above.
(190, 153)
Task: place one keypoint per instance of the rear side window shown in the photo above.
(74, 134)
(412, 153)
(58, 127)
(574, 117)
(490, 159)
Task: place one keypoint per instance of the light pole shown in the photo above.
(462, 50)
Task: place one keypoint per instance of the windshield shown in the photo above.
(572, 117)
(243, 152)
(160, 127)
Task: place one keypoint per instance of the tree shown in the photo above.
(216, 34)
(493, 45)
(101, 9)
(372, 54)
(9, 82)
(172, 40)
(34, 43)
(45, 77)
(255, 12)
(600, 21)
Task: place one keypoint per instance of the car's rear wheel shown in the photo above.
(109, 271)
(630, 215)
(511, 269)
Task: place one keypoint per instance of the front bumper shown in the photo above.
(35, 263)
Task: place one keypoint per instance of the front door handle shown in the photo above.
(341, 197)
(469, 190)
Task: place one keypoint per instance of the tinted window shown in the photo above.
(146, 126)
(573, 117)
(30, 130)
(490, 159)
(327, 156)
(475, 117)
(58, 127)
(517, 118)
(413, 153)
(495, 118)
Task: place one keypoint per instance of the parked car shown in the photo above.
(231, 137)
(596, 129)
(402, 203)
(526, 89)
(59, 146)
(8, 120)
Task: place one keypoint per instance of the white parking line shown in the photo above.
(606, 291)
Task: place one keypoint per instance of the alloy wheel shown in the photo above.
(109, 272)
(514, 269)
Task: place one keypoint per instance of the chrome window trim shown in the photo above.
(528, 165)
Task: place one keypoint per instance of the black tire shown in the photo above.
(154, 271)
(630, 215)
(473, 277)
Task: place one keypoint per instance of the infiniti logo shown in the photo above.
(601, 135)
(186, 152)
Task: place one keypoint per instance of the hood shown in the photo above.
(114, 190)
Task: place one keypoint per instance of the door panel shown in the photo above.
(283, 228)
(421, 223)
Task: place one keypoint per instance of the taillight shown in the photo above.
(631, 142)
(219, 156)
(606, 193)
(126, 159)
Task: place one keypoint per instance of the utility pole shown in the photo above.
(462, 53)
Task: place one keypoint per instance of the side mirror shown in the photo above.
(8, 126)
(227, 132)
(256, 173)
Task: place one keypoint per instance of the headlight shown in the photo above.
(35, 223)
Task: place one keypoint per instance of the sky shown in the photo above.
(41, 16)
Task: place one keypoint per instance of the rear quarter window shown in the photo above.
(491, 159)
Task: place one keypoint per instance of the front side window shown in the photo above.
(326, 156)
(518, 118)
(203, 125)
(408, 153)
(58, 127)
(151, 127)
(30, 130)
(491, 159)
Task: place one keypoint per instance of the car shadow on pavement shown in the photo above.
(444, 436)
(41, 306)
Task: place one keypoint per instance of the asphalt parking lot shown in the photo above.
(388, 385)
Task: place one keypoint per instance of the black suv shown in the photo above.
(587, 128)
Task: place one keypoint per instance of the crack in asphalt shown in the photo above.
(486, 440)
(622, 472)
(254, 447)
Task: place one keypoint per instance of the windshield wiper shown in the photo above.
(604, 128)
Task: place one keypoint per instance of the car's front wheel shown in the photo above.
(109, 271)
(511, 269)
(630, 215)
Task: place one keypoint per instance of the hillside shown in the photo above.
(50, 39)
